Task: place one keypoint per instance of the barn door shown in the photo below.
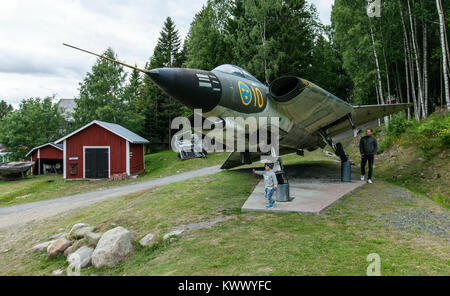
(96, 163)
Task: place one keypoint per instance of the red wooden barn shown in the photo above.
(47, 158)
(101, 150)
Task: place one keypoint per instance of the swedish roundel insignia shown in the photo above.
(246, 93)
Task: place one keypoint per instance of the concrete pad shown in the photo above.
(311, 191)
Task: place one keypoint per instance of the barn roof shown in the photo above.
(57, 146)
(114, 128)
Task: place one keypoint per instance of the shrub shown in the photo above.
(433, 133)
(395, 129)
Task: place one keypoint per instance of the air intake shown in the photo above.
(284, 89)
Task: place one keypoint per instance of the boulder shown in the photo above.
(173, 233)
(148, 240)
(58, 247)
(81, 256)
(81, 232)
(76, 245)
(77, 226)
(69, 251)
(59, 235)
(92, 237)
(42, 247)
(113, 247)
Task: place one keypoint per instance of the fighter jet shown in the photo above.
(309, 115)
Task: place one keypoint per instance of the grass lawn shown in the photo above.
(334, 243)
(406, 165)
(35, 188)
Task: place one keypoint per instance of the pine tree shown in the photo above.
(101, 92)
(159, 108)
(132, 117)
(206, 45)
(272, 38)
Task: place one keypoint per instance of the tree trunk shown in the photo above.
(446, 48)
(388, 83)
(441, 78)
(408, 97)
(444, 52)
(411, 89)
(425, 70)
(416, 60)
(380, 86)
(378, 102)
(387, 77)
(399, 86)
(262, 31)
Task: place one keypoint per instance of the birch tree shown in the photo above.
(444, 51)
(416, 60)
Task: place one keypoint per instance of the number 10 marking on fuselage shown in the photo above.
(247, 94)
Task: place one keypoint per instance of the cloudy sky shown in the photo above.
(33, 62)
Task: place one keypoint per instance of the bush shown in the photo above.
(396, 128)
(433, 133)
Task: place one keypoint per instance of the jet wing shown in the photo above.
(364, 114)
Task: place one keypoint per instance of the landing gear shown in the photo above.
(246, 158)
(339, 151)
(338, 148)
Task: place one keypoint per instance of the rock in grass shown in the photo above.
(58, 247)
(81, 232)
(93, 238)
(113, 247)
(173, 233)
(59, 235)
(76, 245)
(69, 251)
(148, 240)
(42, 247)
(77, 226)
(81, 258)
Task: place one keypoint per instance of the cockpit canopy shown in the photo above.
(235, 70)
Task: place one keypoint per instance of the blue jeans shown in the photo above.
(268, 192)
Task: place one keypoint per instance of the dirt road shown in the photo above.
(23, 213)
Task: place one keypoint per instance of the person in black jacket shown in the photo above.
(368, 148)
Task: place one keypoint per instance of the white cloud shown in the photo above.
(33, 61)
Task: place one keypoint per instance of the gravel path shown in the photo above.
(23, 213)
(419, 220)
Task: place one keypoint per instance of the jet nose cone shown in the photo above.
(154, 74)
(191, 87)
